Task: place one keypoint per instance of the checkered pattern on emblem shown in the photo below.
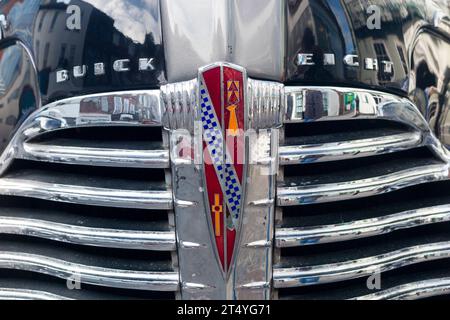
(232, 191)
(212, 134)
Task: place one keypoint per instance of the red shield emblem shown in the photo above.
(223, 110)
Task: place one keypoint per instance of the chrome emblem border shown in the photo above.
(249, 272)
(223, 112)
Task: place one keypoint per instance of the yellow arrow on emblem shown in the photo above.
(233, 126)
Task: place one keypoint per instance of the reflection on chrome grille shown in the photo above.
(359, 197)
(87, 198)
(87, 191)
(413, 291)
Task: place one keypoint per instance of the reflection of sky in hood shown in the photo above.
(341, 18)
(134, 18)
(22, 11)
(10, 60)
(20, 16)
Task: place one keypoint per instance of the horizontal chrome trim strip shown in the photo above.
(24, 294)
(294, 237)
(291, 196)
(157, 200)
(126, 279)
(312, 104)
(96, 156)
(102, 109)
(412, 291)
(111, 238)
(123, 108)
(173, 107)
(335, 272)
(290, 155)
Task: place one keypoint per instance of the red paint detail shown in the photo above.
(233, 92)
(212, 82)
(231, 237)
(233, 87)
(213, 187)
(236, 146)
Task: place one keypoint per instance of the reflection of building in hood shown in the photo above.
(397, 11)
(20, 13)
(18, 90)
(99, 40)
(9, 66)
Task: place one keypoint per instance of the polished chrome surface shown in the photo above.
(270, 104)
(429, 86)
(98, 237)
(325, 104)
(91, 156)
(199, 32)
(144, 199)
(200, 270)
(248, 22)
(335, 151)
(412, 291)
(311, 104)
(300, 195)
(256, 36)
(313, 275)
(252, 273)
(201, 275)
(138, 280)
(114, 109)
(179, 101)
(142, 108)
(197, 29)
(24, 294)
(266, 100)
(293, 237)
(441, 21)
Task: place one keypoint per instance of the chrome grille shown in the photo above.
(360, 190)
(88, 204)
(356, 198)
